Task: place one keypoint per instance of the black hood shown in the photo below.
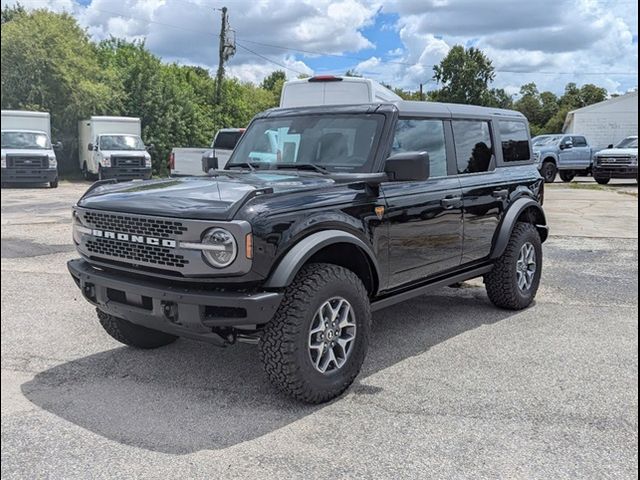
(211, 198)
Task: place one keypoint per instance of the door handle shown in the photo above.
(451, 202)
(501, 194)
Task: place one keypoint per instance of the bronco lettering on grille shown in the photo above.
(127, 237)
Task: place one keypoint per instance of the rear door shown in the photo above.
(425, 218)
(484, 189)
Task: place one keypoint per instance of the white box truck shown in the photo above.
(332, 90)
(111, 147)
(27, 153)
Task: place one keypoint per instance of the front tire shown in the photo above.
(513, 282)
(602, 180)
(315, 345)
(54, 183)
(133, 335)
(567, 175)
(549, 171)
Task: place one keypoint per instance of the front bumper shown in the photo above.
(126, 173)
(616, 171)
(179, 310)
(28, 175)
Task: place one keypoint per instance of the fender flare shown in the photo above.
(302, 251)
(552, 155)
(509, 222)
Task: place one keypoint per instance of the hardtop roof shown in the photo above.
(405, 108)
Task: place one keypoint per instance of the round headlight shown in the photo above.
(219, 247)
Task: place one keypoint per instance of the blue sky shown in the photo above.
(392, 41)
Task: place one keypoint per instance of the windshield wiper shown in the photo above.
(250, 165)
(303, 166)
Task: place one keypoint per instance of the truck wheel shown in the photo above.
(549, 171)
(602, 180)
(513, 282)
(54, 183)
(567, 175)
(133, 335)
(314, 346)
(85, 172)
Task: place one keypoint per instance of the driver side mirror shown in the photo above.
(57, 146)
(610, 145)
(567, 144)
(90, 147)
(407, 167)
(150, 148)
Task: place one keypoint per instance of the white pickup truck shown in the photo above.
(221, 149)
(186, 162)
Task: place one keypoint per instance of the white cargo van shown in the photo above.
(27, 153)
(111, 147)
(331, 90)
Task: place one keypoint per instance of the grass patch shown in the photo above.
(587, 186)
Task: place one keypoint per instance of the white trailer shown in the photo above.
(112, 147)
(27, 153)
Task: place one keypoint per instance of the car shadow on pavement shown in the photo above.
(192, 396)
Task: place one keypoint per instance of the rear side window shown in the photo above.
(515, 141)
(474, 148)
(415, 135)
(227, 140)
(579, 142)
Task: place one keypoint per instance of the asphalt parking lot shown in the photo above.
(451, 388)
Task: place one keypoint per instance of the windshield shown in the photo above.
(334, 142)
(629, 142)
(121, 142)
(25, 140)
(545, 140)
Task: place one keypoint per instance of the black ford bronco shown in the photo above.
(321, 216)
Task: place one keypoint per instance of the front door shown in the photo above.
(424, 218)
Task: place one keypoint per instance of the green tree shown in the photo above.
(8, 13)
(465, 75)
(49, 64)
(273, 83)
(529, 103)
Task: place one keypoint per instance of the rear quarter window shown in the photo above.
(515, 141)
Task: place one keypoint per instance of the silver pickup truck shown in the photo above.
(569, 155)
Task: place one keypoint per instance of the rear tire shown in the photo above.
(324, 320)
(549, 171)
(133, 335)
(503, 282)
(567, 175)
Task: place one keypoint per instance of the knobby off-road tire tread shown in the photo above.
(500, 282)
(277, 346)
(133, 335)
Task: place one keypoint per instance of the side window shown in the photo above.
(579, 142)
(515, 141)
(474, 148)
(416, 135)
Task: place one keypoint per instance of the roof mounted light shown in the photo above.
(325, 78)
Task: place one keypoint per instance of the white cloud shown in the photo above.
(526, 40)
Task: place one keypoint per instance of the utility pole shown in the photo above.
(222, 54)
(421, 94)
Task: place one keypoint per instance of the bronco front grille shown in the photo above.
(151, 227)
(135, 252)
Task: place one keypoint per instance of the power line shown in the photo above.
(270, 60)
(311, 52)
